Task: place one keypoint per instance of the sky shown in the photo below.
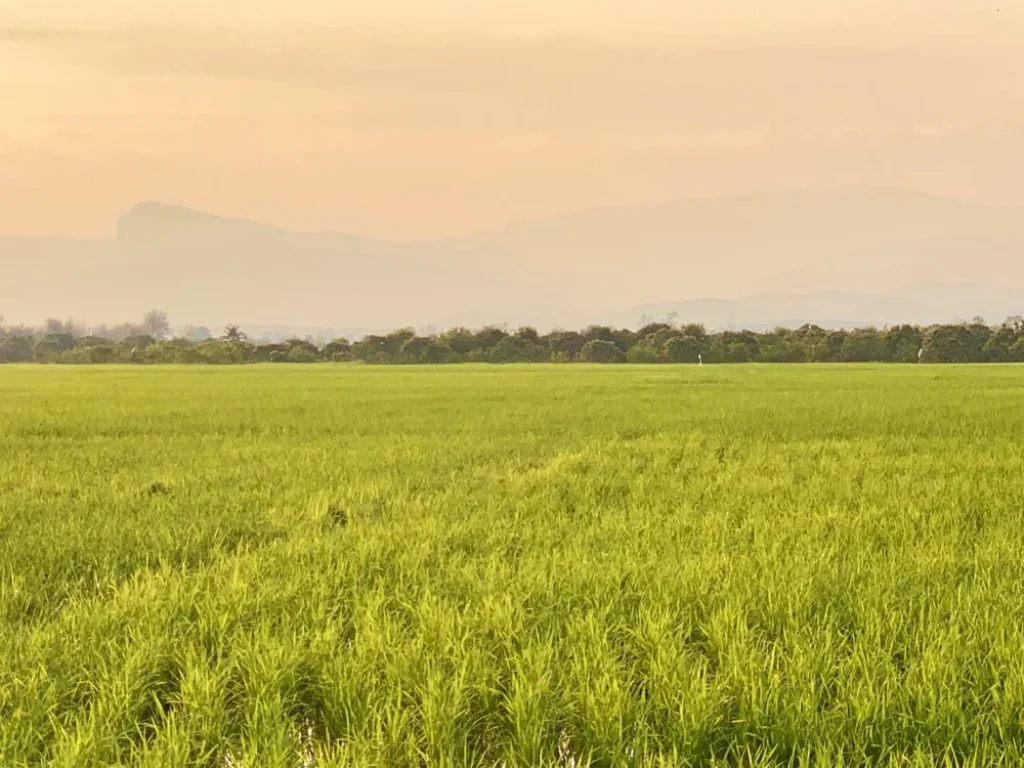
(409, 120)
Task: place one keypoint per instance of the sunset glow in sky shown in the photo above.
(409, 119)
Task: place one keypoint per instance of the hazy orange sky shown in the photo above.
(410, 119)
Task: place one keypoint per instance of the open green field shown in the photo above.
(512, 566)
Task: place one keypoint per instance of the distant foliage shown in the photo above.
(151, 341)
(601, 351)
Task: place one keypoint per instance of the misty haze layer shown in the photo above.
(836, 256)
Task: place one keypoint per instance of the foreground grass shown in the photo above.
(525, 566)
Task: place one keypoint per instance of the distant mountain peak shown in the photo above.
(149, 220)
(148, 207)
(155, 210)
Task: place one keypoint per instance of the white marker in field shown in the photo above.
(700, 359)
(920, 354)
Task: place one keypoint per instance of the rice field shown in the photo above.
(512, 566)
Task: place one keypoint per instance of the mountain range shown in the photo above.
(835, 256)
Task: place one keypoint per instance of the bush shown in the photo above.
(338, 350)
(412, 349)
(601, 351)
(683, 349)
(436, 353)
(74, 357)
(516, 349)
(16, 349)
(737, 352)
(226, 352)
(783, 352)
(643, 353)
(301, 354)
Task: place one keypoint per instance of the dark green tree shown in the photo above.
(565, 346)
(602, 351)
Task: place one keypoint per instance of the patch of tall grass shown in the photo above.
(522, 566)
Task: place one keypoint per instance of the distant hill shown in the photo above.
(849, 239)
(920, 303)
(205, 269)
(836, 256)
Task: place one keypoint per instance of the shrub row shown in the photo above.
(654, 343)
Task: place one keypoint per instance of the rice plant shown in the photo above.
(516, 566)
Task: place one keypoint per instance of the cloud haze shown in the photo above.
(405, 119)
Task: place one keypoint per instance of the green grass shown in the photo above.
(517, 566)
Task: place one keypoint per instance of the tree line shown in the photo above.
(152, 341)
